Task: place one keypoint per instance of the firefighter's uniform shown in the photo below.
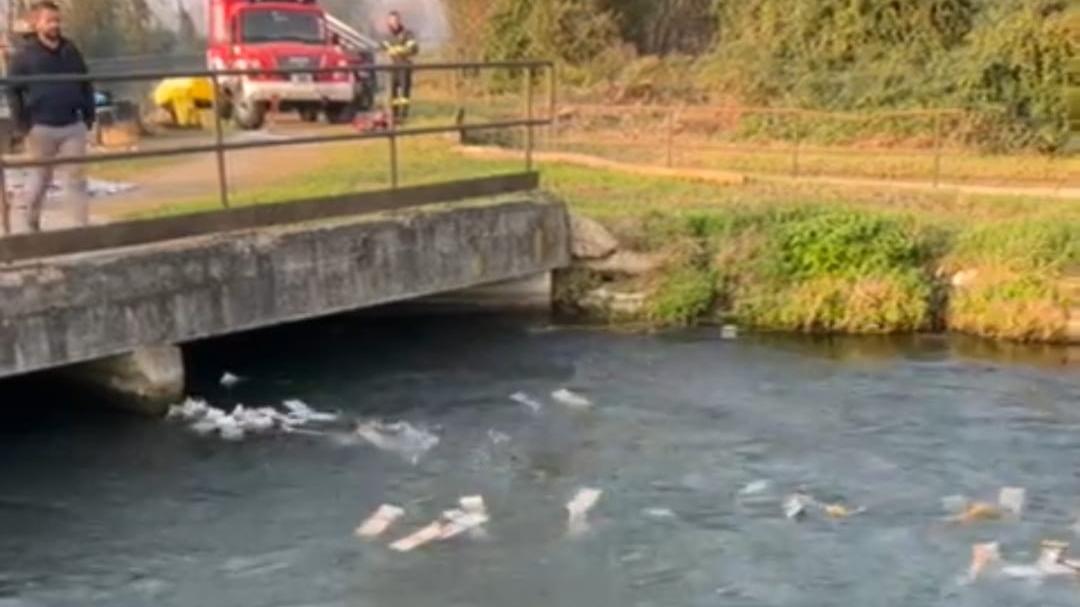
(401, 46)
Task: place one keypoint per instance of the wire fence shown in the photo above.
(914, 145)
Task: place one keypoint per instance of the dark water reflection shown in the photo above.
(99, 509)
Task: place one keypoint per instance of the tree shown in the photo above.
(666, 26)
(571, 31)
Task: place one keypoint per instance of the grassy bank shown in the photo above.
(781, 256)
(826, 261)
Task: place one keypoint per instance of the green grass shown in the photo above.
(350, 168)
(878, 163)
(775, 256)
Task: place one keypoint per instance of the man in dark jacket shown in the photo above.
(401, 46)
(56, 116)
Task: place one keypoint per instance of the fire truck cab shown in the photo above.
(270, 35)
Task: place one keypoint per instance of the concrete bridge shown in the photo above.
(141, 292)
(111, 304)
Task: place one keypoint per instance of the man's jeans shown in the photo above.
(45, 142)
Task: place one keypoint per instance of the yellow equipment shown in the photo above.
(185, 99)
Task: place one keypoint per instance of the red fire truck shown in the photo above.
(270, 35)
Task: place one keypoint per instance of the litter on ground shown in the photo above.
(95, 188)
(379, 522)
(571, 399)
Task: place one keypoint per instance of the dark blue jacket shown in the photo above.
(50, 103)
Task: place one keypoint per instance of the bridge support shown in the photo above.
(145, 381)
(65, 310)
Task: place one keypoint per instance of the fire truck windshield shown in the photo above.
(282, 26)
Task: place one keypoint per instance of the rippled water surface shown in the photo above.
(108, 510)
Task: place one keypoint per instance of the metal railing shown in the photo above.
(531, 72)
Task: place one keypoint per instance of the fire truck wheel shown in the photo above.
(249, 115)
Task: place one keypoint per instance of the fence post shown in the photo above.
(937, 149)
(530, 74)
(670, 138)
(219, 143)
(553, 108)
(5, 208)
(391, 121)
(795, 169)
(459, 91)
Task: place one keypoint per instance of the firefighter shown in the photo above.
(401, 46)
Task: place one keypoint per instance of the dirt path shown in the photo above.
(730, 178)
(191, 177)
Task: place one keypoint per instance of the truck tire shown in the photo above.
(365, 98)
(249, 115)
(341, 113)
(225, 109)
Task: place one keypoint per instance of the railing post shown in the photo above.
(5, 208)
(219, 143)
(553, 108)
(798, 143)
(937, 148)
(530, 74)
(391, 121)
(670, 144)
(460, 78)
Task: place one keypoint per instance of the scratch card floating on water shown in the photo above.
(584, 501)
(754, 488)
(380, 521)
(402, 438)
(424, 536)
(578, 510)
(206, 420)
(1011, 500)
(571, 399)
(453, 523)
(298, 409)
(532, 404)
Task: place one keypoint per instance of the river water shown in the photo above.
(114, 511)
